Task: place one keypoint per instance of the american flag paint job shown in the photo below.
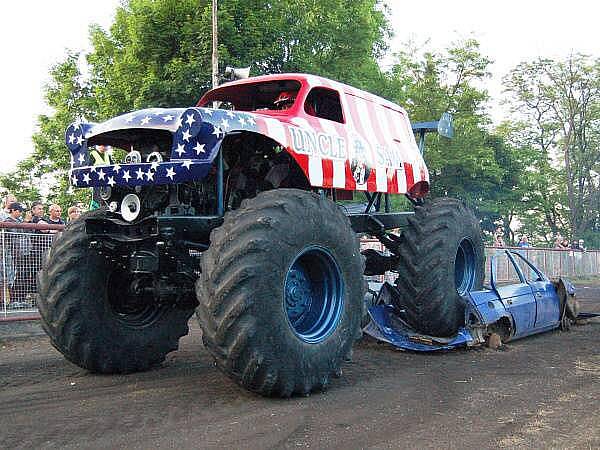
(373, 150)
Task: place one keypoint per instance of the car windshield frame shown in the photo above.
(254, 97)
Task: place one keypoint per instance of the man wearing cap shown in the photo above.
(15, 215)
(18, 245)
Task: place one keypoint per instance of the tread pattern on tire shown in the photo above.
(426, 265)
(73, 318)
(242, 265)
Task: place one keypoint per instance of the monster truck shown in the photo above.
(235, 212)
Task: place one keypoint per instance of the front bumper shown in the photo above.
(141, 174)
(178, 228)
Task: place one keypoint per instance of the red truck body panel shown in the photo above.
(372, 148)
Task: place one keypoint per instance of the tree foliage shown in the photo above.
(68, 95)
(557, 105)
(159, 53)
(475, 165)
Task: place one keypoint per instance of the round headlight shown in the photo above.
(133, 157)
(154, 157)
(130, 207)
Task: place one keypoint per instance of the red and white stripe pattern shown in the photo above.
(392, 154)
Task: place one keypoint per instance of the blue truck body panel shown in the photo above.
(195, 135)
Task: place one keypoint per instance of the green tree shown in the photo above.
(557, 103)
(22, 182)
(533, 203)
(428, 83)
(158, 53)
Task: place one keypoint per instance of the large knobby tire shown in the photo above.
(281, 292)
(441, 258)
(74, 286)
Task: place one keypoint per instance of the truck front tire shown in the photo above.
(281, 292)
(78, 291)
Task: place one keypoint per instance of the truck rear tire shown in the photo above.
(281, 292)
(78, 291)
(441, 259)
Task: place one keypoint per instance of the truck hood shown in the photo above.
(153, 118)
(194, 136)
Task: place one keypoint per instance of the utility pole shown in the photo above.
(215, 43)
(215, 83)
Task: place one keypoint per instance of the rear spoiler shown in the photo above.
(444, 127)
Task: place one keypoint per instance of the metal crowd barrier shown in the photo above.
(23, 246)
(22, 249)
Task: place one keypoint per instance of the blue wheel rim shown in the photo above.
(313, 294)
(465, 267)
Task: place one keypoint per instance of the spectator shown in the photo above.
(499, 240)
(73, 213)
(577, 246)
(54, 216)
(523, 242)
(15, 214)
(565, 243)
(7, 201)
(36, 255)
(18, 247)
(7, 266)
(37, 212)
(558, 243)
(37, 215)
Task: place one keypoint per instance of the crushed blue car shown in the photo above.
(520, 301)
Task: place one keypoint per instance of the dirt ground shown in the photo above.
(540, 392)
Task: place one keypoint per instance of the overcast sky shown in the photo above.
(34, 36)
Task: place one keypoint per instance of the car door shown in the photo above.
(544, 293)
(515, 293)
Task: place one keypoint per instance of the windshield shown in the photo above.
(276, 95)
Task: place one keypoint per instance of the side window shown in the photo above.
(324, 103)
(529, 272)
(504, 270)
